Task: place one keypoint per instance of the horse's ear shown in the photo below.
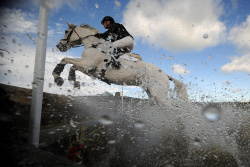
(68, 24)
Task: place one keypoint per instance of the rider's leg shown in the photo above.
(126, 43)
(120, 47)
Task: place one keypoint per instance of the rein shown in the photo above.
(71, 43)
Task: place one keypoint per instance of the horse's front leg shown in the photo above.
(56, 73)
(60, 67)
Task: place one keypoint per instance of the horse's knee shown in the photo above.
(64, 61)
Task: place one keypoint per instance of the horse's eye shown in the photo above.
(66, 31)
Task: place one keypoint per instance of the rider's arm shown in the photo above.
(105, 35)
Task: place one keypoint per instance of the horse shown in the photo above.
(154, 81)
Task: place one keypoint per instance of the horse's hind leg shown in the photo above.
(72, 77)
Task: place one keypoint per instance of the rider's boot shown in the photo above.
(114, 61)
(117, 52)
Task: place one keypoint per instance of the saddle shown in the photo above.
(131, 57)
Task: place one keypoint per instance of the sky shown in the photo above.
(203, 43)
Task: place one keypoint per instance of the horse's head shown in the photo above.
(70, 39)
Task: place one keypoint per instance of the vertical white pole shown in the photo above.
(38, 80)
(122, 101)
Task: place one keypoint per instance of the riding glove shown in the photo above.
(98, 35)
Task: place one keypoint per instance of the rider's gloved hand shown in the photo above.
(98, 35)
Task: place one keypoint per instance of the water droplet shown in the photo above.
(197, 142)
(51, 132)
(34, 84)
(118, 4)
(139, 124)
(212, 113)
(41, 35)
(40, 80)
(111, 142)
(73, 123)
(138, 5)
(205, 36)
(170, 58)
(105, 120)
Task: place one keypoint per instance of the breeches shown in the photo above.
(125, 43)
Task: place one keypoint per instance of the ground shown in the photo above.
(14, 119)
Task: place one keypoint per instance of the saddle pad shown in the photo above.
(131, 57)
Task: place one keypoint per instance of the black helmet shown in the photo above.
(108, 18)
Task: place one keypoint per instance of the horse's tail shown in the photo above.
(179, 89)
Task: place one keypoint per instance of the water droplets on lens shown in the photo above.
(197, 142)
(105, 120)
(73, 123)
(111, 142)
(41, 35)
(139, 124)
(212, 113)
(118, 4)
(170, 58)
(205, 36)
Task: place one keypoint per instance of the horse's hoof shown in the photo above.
(77, 85)
(59, 81)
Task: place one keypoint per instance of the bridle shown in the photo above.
(70, 44)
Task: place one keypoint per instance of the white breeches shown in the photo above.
(125, 43)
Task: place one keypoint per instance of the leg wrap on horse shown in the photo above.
(59, 68)
(72, 75)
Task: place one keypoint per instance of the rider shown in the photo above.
(121, 40)
(120, 37)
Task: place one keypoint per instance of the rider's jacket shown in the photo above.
(116, 31)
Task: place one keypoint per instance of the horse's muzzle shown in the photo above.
(61, 47)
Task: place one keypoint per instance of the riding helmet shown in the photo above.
(108, 18)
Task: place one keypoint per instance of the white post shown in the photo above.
(38, 80)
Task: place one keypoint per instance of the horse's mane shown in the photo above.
(94, 30)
